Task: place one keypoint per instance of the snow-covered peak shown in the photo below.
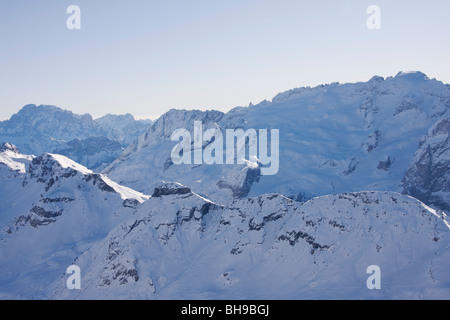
(37, 114)
(161, 131)
(412, 75)
(5, 146)
(376, 83)
(376, 79)
(123, 124)
(181, 119)
(52, 168)
(13, 159)
(66, 163)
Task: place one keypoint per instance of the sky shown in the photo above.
(145, 57)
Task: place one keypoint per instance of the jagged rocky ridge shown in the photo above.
(181, 246)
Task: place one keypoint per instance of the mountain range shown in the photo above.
(333, 139)
(93, 143)
(363, 180)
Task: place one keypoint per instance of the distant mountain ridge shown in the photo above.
(94, 143)
(334, 138)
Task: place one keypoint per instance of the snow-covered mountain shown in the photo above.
(333, 139)
(51, 210)
(179, 245)
(12, 162)
(94, 143)
(346, 152)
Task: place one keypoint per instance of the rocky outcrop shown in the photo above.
(428, 176)
(166, 189)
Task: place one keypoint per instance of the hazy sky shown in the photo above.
(145, 57)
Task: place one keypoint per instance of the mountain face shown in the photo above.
(179, 245)
(428, 176)
(333, 138)
(51, 209)
(93, 143)
(148, 160)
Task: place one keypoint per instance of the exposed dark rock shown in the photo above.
(5, 146)
(293, 237)
(44, 213)
(373, 140)
(170, 189)
(57, 200)
(428, 176)
(351, 167)
(131, 203)
(252, 175)
(99, 182)
(384, 165)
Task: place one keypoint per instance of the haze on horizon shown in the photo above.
(146, 57)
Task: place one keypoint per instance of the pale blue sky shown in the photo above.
(145, 57)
